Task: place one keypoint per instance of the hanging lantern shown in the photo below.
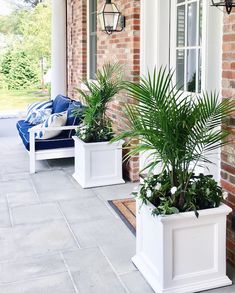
(229, 4)
(111, 19)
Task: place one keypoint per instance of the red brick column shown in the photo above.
(228, 152)
(123, 47)
(76, 44)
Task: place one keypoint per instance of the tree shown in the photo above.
(10, 24)
(28, 31)
(35, 28)
(33, 3)
(18, 70)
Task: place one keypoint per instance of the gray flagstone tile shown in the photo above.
(68, 194)
(15, 186)
(52, 180)
(22, 198)
(87, 209)
(15, 176)
(36, 213)
(59, 283)
(20, 164)
(91, 272)
(4, 215)
(31, 268)
(135, 283)
(115, 191)
(116, 241)
(61, 163)
(35, 240)
(9, 145)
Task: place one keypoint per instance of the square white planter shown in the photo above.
(182, 253)
(98, 164)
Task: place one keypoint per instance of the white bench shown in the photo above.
(55, 153)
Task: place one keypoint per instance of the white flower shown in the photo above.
(149, 193)
(225, 195)
(173, 190)
(136, 189)
(158, 186)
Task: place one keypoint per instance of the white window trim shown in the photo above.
(203, 46)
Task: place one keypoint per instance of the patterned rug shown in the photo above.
(126, 209)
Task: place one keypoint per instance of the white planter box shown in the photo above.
(98, 164)
(180, 253)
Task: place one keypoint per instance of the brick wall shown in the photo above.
(228, 152)
(76, 43)
(123, 47)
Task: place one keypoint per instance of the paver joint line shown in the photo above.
(115, 272)
(69, 272)
(68, 225)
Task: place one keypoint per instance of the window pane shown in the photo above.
(200, 23)
(180, 69)
(181, 26)
(92, 38)
(93, 23)
(199, 71)
(93, 57)
(92, 6)
(192, 24)
(180, 1)
(191, 70)
(93, 15)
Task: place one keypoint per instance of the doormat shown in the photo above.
(126, 210)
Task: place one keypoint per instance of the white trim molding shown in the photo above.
(59, 48)
(156, 49)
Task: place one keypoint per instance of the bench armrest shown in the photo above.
(74, 127)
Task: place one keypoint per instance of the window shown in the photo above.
(187, 44)
(92, 39)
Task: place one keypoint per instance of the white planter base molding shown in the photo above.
(98, 164)
(180, 253)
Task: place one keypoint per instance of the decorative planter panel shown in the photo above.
(182, 253)
(98, 164)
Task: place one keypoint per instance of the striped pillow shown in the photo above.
(55, 120)
(37, 106)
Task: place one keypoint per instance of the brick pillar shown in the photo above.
(228, 152)
(123, 47)
(76, 44)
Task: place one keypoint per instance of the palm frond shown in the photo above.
(178, 129)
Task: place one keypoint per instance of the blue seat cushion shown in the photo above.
(71, 119)
(60, 141)
(60, 104)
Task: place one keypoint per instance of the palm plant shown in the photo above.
(178, 131)
(97, 125)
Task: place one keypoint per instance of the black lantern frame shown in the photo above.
(120, 23)
(228, 4)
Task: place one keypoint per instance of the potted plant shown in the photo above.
(181, 220)
(97, 161)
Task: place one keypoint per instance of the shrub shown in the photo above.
(19, 71)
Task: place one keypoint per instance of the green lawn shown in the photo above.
(19, 100)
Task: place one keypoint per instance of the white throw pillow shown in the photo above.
(55, 120)
(38, 106)
(39, 116)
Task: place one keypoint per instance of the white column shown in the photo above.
(59, 63)
(154, 42)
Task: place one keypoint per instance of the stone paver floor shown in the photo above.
(56, 237)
